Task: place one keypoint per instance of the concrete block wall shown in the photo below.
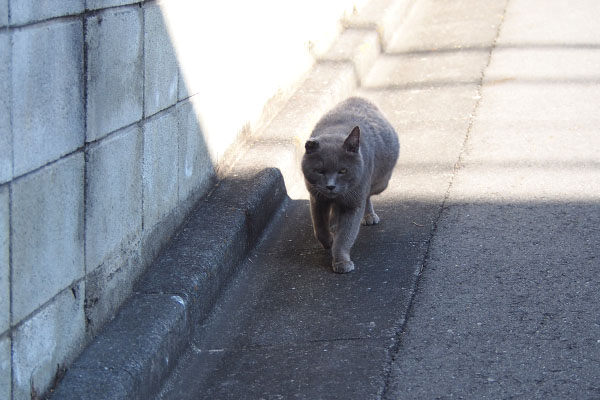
(116, 116)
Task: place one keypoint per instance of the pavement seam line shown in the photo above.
(442, 209)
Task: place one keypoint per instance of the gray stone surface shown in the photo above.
(6, 161)
(115, 70)
(5, 367)
(27, 11)
(506, 303)
(129, 358)
(160, 62)
(47, 342)
(140, 346)
(4, 260)
(216, 237)
(160, 167)
(196, 169)
(431, 30)
(110, 284)
(47, 93)
(345, 369)
(98, 4)
(114, 196)
(47, 257)
(357, 46)
(113, 222)
(385, 17)
(3, 13)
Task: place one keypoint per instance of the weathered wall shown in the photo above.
(115, 117)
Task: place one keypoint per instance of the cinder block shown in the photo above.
(5, 130)
(109, 284)
(160, 168)
(27, 11)
(3, 13)
(47, 93)
(47, 342)
(160, 63)
(47, 233)
(114, 195)
(196, 168)
(4, 271)
(115, 70)
(113, 222)
(5, 367)
(97, 4)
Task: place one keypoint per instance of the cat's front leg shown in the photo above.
(347, 231)
(320, 212)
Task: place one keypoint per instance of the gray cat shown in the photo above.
(349, 157)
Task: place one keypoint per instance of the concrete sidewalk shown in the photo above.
(134, 353)
(508, 305)
(482, 279)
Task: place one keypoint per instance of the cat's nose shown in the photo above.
(330, 187)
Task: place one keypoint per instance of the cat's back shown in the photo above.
(377, 134)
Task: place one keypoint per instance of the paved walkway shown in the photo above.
(483, 278)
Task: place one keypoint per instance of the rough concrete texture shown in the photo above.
(4, 260)
(196, 168)
(46, 343)
(284, 324)
(5, 367)
(160, 63)
(96, 4)
(28, 11)
(140, 346)
(114, 195)
(382, 16)
(128, 359)
(47, 93)
(160, 167)
(505, 306)
(216, 237)
(3, 13)
(47, 257)
(489, 233)
(115, 66)
(113, 222)
(109, 284)
(6, 161)
(356, 46)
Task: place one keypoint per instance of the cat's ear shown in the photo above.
(311, 145)
(353, 140)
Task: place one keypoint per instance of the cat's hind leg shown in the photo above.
(369, 218)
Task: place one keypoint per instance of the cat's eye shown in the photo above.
(342, 171)
(319, 171)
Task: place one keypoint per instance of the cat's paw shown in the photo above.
(342, 267)
(370, 219)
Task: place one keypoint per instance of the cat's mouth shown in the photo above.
(326, 193)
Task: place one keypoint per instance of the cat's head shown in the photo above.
(331, 166)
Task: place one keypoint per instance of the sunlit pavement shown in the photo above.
(482, 280)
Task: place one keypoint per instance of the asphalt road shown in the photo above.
(482, 279)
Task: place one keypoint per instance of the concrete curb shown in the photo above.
(134, 352)
(137, 349)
